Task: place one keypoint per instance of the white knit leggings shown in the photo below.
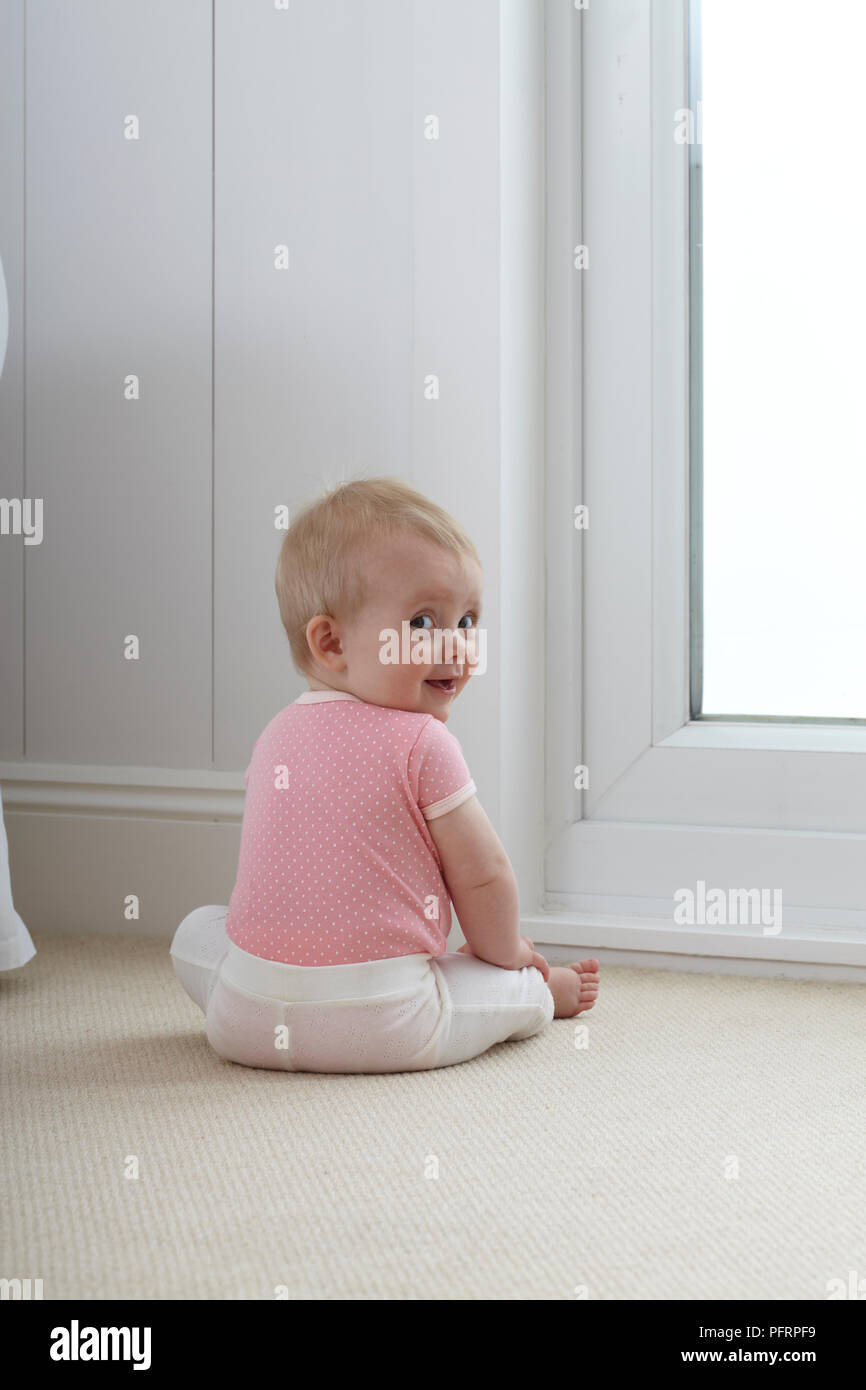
(408, 1013)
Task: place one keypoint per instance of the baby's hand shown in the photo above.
(528, 956)
(533, 958)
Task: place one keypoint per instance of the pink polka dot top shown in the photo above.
(336, 862)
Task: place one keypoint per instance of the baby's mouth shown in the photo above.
(448, 686)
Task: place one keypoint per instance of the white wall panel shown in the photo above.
(118, 282)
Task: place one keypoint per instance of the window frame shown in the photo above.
(671, 800)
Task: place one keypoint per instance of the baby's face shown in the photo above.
(409, 580)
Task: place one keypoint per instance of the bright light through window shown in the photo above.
(784, 358)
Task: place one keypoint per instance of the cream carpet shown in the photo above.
(707, 1143)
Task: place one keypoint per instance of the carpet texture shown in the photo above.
(708, 1142)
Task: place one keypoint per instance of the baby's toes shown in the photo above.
(587, 973)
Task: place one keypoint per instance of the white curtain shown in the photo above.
(16, 947)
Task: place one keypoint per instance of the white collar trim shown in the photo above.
(311, 697)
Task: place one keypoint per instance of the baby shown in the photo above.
(361, 824)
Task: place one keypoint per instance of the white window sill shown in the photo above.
(772, 737)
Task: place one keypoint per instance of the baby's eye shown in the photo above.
(468, 619)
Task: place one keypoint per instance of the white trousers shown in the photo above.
(408, 1013)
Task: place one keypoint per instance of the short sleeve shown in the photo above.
(438, 775)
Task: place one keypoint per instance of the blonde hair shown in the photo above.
(319, 570)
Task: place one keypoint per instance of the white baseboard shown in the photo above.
(703, 965)
(75, 872)
(796, 953)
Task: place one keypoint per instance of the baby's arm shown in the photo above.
(481, 882)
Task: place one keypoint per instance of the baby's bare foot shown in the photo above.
(574, 987)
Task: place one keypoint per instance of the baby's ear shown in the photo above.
(324, 640)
